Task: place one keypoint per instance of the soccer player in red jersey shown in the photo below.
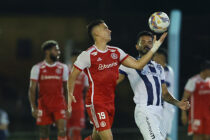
(198, 90)
(101, 64)
(77, 120)
(50, 76)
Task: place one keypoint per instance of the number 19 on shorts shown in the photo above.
(101, 115)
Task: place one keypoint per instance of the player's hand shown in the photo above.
(184, 105)
(184, 117)
(157, 43)
(68, 114)
(34, 112)
(71, 98)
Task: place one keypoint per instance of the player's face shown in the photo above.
(207, 73)
(145, 43)
(160, 59)
(103, 32)
(54, 53)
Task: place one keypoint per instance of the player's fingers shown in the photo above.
(155, 38)
(162, 38)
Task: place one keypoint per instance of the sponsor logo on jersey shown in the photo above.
(49, 77)
(114, 55)
(94, 53)
(99, 59)
(106, 66)
(103, 124)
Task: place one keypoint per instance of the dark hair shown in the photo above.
(205, 65)
(144, 33)
(163, 52)
(47, 45)
(91, 25)
(75, 52)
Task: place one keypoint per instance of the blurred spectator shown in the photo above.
(4, 122)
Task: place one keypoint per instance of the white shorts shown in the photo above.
(148, 120)
(168, 116)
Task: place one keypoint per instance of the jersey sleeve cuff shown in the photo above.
(77, 67)
(124, 58)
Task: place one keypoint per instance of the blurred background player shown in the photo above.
(4, 122)
(101, 64)
(50, 76)
(77, 120)
(161, 58)
(197, 90)
(149, 88)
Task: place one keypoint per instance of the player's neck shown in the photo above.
(49, 61)
(101, 45)
(203, 76)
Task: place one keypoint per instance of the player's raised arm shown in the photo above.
(140, 63)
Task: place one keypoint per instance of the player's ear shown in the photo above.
(137, 47)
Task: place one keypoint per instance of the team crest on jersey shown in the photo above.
(44, 71)
(94, 53)
(103, 124)
(58, 71)
(114, 55)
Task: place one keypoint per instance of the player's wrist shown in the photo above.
(156, 46)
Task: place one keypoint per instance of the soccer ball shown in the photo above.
(159, 22)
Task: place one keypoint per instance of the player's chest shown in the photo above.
(152, 70)
(105, 61)
(48, 73)
(203, 88)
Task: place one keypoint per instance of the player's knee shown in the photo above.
(62, 132)
(44, 131)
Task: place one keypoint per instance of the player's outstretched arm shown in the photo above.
(139, 64)
(70, 86)
(32, 97)
(184, 117)
(183, 105)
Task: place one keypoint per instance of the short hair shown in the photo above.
(163, 52)
(144, 33)
(205, 65)
(75, 52)
(93, 24)
(47, 45)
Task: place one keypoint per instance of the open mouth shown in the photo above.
(147, 48)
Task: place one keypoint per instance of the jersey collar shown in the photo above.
(100, 50)
(53, 65)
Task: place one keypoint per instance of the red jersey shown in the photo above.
(50, 80)
(102, 69)
(199, 99)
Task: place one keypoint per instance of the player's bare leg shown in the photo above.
(206, 137)
(44, 132)
(106, 134)
(197, 137)
(95, 135)
(61, 125)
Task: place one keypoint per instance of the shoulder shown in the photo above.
(59, 64)
(113, 48)
(195, 78)
(158, 66)
(38, 65)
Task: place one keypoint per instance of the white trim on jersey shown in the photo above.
(35, 72)
(65, 72)
(92, 104)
